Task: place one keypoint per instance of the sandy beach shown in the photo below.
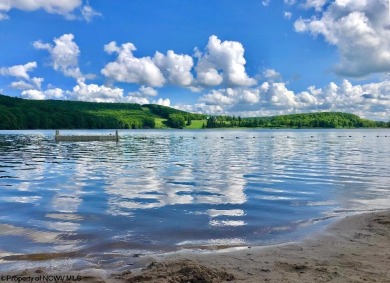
(353, 249)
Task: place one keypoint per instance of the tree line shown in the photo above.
(18, 114)
(307, 120)
(175, 118)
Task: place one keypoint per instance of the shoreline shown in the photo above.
(355, 248)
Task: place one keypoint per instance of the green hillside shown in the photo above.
(306, 120)
(17, 113)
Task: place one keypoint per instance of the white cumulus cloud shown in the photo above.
(231, 96)
(220, 62)
(144, 91)
(33, 94)
(33, 83)
(64, 55)
(19, 71)
(359, 30)
(65, 8)
(142, 95)
(81, 92)
(271, 75)
(163, 102)
(136, 99)
(144, 100)
(218, 97)
(22, 85)
(281, 97)
(175, 67)
(371, 100)
(130, 69)
(223, 62)
(55, 93)
(316, 4)
(96, 93)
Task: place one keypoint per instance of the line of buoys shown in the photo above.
(272, 137)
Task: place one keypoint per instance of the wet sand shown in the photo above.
(354, 249)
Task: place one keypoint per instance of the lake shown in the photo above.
(107, 204)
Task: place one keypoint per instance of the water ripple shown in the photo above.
(167, 190)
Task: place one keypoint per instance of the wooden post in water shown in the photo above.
(57, 135)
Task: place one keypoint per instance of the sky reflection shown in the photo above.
(157, 190)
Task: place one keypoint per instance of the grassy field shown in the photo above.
(160, 123)
(196, 124)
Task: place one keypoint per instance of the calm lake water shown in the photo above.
(82, 204)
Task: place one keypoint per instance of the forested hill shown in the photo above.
(307, 120)
(17, 113)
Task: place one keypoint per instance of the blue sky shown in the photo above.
(248, 58)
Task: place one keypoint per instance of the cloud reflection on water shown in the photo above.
(169, 187)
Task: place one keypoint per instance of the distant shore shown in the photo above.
(59, 114)
(354, 249)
